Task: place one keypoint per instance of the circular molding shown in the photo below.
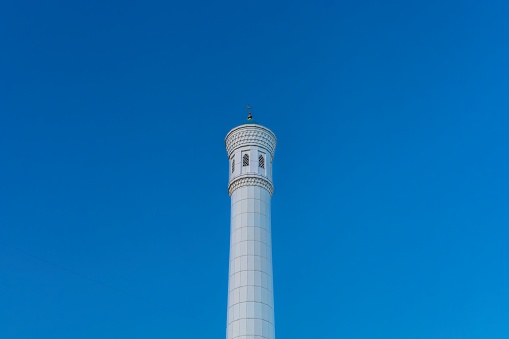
(250, 135)
(250, 181)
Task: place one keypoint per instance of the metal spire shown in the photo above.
(249, 115)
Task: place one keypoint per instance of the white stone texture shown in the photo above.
(250, 291)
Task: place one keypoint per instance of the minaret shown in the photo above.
(250, 150)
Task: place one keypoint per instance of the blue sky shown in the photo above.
(391, 209)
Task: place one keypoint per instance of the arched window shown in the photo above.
(233, 164)
(261, 161)
(245, 160)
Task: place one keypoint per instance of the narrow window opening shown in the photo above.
(233, 164)
(261, 161)
(245, 160)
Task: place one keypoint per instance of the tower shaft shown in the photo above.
(250, 286)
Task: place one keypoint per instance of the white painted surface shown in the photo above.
(250, 285)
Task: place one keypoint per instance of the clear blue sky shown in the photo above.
(391, 210)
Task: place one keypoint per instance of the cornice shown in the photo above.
(250, 135)
(250, 181)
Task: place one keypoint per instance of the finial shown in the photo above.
(249, 115)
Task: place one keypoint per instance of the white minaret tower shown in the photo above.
(250, 150)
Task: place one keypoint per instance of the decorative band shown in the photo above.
(250, 181)
(245, 136)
